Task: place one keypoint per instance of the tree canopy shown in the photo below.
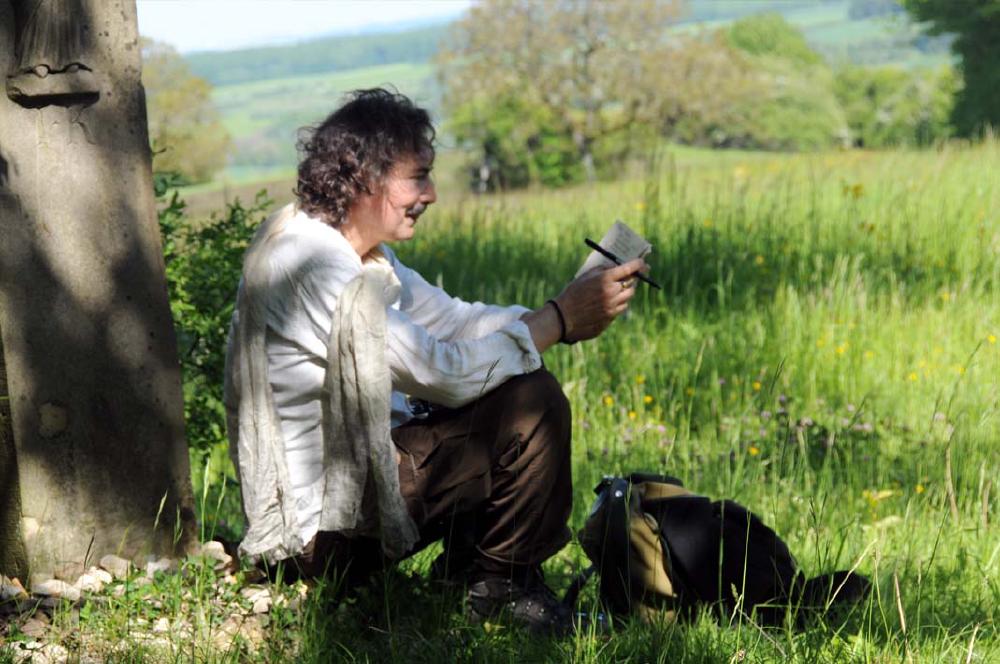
(184, 127)
(976, 26)
(594, 74)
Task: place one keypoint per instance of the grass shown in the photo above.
(824, 351)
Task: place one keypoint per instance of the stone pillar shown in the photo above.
(91, 366)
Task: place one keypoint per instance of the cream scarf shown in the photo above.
(358, 449)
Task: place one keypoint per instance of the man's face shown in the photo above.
(390, 214)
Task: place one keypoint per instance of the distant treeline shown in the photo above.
(332, 54)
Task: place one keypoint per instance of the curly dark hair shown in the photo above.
(350, 152)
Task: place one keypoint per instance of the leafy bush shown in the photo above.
(771, 35)
(787, 102)
(203, 264)
(794, 109)
(888, 106)
(514, 143)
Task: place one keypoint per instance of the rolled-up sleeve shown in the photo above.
(446, 317)
(454, 373)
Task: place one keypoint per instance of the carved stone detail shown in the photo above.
(50, 38)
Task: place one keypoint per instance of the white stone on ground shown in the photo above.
(89, 583)
(101, 575)
(215, 551)
(162, 565)
(56, 588)
(11, 589)
(119, 567)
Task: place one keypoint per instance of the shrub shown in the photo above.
(889, 106)
(203, 263)
(514, 143)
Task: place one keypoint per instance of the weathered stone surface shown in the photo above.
(34, 628)
(11, 589)
(101, 575)
(216, 551)
(88, 348)
(160, 565)
(247, 629)
(68, 571)
(262, 605)
(117, 567)
(38, 578)
(56, 588)
(89, 583)
(13, 555)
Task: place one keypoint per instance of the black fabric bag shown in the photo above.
(662, 552)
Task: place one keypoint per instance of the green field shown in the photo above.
(263, 116)
(824, 351)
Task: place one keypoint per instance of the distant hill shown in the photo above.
(330, 54)
(265, 94)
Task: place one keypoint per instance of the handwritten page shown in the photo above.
(620, 240)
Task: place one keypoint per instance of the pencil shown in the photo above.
(617, 261)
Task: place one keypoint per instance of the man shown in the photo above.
(369, 408)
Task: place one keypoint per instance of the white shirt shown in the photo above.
(439, 348)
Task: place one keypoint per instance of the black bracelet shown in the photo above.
(562, 323)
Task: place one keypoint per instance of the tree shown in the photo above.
(598, 72)
(771, 34)
(184, 127)
(592, 64)
(976, 26)
(99, 461)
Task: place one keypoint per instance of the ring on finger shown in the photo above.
(627, 283)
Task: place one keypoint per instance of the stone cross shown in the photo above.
(92, 452)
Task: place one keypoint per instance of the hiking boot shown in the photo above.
(530, 604)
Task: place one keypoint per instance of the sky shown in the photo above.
(209, 25)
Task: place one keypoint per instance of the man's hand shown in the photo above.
(591, 301)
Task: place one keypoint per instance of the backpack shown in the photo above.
(662, 552)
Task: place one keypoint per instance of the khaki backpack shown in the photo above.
(662, 552)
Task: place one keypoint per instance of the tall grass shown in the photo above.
(824, 351)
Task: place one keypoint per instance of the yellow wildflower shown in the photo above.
(707, 223)
(758, 260)
(632, 415)
(919, 488)
(753, 451)
(842, 348)
(609, 400)
(689, 391)
(756, 386)
(855, 191)
(912, 376)
(991, 338)
(640, 379)
(640, 206)
(647, 399)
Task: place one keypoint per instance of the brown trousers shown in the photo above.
(495, 473)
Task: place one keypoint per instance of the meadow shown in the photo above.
(824, 350)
